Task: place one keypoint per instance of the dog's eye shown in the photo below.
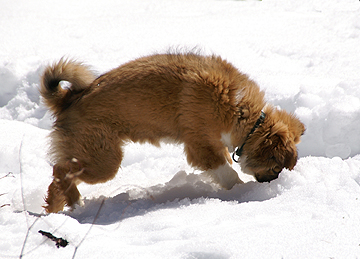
(276, 169)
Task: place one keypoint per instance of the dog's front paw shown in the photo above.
(225, 176)
(231, 182)
(81, 202)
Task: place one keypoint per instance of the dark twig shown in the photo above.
(58, 240)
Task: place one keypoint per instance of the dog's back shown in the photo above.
(150, 98)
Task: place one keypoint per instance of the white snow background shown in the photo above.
(304, 54)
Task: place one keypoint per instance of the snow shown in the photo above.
(304, 54)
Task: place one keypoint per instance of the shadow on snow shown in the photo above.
(182, 190)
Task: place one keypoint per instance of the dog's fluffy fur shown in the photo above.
(201, 101)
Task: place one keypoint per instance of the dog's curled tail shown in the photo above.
(77, 74)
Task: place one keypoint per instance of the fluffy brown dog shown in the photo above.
(201, 101)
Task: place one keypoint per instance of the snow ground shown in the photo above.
(305, 55)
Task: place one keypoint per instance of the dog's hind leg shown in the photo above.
(102, 161)
(63, 188)
(97, 161)
(55, 198)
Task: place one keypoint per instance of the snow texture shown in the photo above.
(304, 54)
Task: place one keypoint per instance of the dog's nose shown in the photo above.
(266, 177)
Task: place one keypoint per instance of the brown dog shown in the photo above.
(201, 101)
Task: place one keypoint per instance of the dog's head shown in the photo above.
(272, 146)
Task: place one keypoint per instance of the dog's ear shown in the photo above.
(283, 145)
(280, 130)
(289, 128)
(290, 158)
(300, 132)
(297, 129)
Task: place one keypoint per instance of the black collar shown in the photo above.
(239, 151)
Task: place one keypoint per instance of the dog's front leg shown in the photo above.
(212, 159)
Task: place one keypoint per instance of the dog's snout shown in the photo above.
(267, 176)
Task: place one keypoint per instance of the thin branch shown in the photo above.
(9, 174)
(92, 224)
(23, 201)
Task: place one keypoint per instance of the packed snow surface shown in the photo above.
(305, 55)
